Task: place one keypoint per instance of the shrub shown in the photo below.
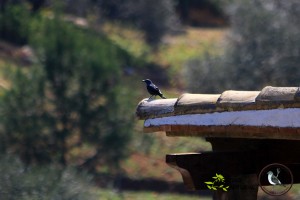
(72, 100)
(14, 22)
(206, 75)
(47, 183)
(264, 43)
(262, 47)
(154, 19)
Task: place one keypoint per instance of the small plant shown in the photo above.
(218, 183)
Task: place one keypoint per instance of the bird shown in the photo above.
(153, 89)
(273, 180)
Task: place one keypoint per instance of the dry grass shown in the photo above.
(149, 150)
(193, 43)
(175, 50)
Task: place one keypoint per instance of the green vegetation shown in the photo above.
(217, 183)
(261, 50)
(44, 182)
(110, 195)
(176, 50)
(153, 19)
(73, 105)
(14, 22)
(72, 99)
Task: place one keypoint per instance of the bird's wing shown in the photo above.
(276, 180)
(156, 88)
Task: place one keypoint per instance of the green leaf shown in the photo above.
(209, 182)
(221, 186)
(220, 176)
(214, 188)
(209, 187)
(225, 189)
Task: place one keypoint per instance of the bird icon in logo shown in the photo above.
(274, 180)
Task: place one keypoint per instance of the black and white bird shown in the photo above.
(273, 180)
(153, 89)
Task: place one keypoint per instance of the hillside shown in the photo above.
(145, 167)
(148, 150)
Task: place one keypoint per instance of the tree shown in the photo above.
(154, 19)
(14, 23)
(262, 49)
(264, 43)
(24, 119)
(74, 102)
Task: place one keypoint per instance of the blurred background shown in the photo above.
(70, 80)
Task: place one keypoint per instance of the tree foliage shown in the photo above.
(262, 48)
(14, 24)
(73, 100)
(47, 182)
(154, 19)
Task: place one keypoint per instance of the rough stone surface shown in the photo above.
(275, 94)
(196, 103)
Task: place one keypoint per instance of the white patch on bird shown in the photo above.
(288, 117)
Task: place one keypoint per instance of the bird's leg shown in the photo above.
(150, 97)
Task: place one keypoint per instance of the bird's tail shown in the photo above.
(162, 96)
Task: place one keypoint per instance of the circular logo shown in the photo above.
(275, 179)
